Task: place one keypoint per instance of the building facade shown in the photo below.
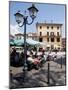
(32, 35)
(64, 43)
(50, 35)
(18, 36)
(28, 35)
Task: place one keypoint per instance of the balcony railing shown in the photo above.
(49, 35)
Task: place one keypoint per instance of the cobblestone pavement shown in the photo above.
(39, 78)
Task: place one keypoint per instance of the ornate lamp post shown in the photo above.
(22, 20)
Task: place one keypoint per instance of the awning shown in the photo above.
(32, 42)
(48, 45)
(28, 41)
(56, 46)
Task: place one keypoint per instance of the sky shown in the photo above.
(46, 13)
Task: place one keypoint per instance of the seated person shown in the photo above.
(30, 58)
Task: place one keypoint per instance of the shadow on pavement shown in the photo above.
(37, 79)
(61, 60)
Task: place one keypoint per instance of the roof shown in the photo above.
(58, 24)
(33, 33)
(11, 36)
(19, 34)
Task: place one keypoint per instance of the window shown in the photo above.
(57, 33)
(52, 39)
(40, 33)
(57, 27)
(17, 38)
(47, 33)
(52, 27)
(47, 39)
(47, 27)
(58, 39)
(20, 37)
(40, 27)
(52, 33)
(40, 39)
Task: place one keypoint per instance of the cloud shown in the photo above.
(14, 29)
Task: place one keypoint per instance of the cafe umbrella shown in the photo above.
(19, 42)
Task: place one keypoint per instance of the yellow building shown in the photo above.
(50, 35)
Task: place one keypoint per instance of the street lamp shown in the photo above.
(22, 20)
(33, 11)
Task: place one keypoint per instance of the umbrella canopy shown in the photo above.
(11, 43)
(48, 45)
(32, 42)
(19, 42)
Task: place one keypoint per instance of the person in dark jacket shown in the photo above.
(14, 58)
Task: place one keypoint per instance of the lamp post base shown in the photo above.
(25, 73)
